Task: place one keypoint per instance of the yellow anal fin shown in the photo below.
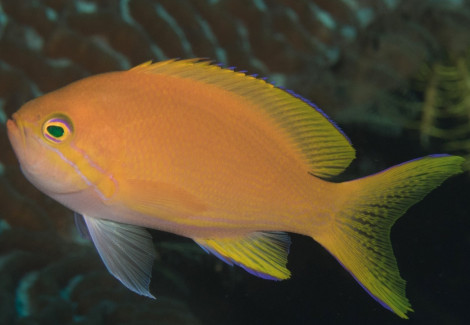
(263, 254)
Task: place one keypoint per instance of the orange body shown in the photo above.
(223, 158)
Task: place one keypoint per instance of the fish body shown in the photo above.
(223, 158)
(222, 170)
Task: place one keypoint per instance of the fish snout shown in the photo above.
(12, 126)
(15, 131)
(13, 122)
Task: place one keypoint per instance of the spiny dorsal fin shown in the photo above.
(263, 254)
(325, 148)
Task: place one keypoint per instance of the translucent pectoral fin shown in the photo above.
(81, 226)
(263, 254)
(126, 250)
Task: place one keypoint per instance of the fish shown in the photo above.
(219, 156)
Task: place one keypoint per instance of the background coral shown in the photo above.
(354, 58)
(443, 92)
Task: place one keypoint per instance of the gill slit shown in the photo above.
(96, 166)
(85, 179)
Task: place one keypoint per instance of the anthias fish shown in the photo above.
(221, 157)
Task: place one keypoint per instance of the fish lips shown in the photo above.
(20, 139)
(16, 134)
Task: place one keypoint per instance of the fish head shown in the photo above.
(41, 137)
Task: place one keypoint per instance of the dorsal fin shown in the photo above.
(326, 149)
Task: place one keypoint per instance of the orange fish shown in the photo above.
(223, 158)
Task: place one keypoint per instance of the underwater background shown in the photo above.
(395, 76)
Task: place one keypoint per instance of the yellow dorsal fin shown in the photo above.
(263, 254)
(325, 148)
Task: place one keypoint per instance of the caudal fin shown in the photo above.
(360, 236)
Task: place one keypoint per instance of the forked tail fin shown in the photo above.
(360, 235)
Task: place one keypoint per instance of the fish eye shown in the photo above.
(57, 129)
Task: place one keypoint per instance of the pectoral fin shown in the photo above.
(81, 226)
(126, 250)
(263, 254)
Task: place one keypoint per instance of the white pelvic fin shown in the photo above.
(126, 250)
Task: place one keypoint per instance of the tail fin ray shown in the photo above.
(360, 235)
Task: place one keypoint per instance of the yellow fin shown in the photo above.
(360, 236)
(324, 147)
(263, 254)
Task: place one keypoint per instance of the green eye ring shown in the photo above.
(57, 129)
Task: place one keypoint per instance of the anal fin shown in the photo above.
(263, 254)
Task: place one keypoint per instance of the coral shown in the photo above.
(393, 50)
(293, 42)
(445, 110)
(47, 279)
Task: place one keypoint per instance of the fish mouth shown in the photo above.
(15, 131)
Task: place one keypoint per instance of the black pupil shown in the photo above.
(55, 130)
